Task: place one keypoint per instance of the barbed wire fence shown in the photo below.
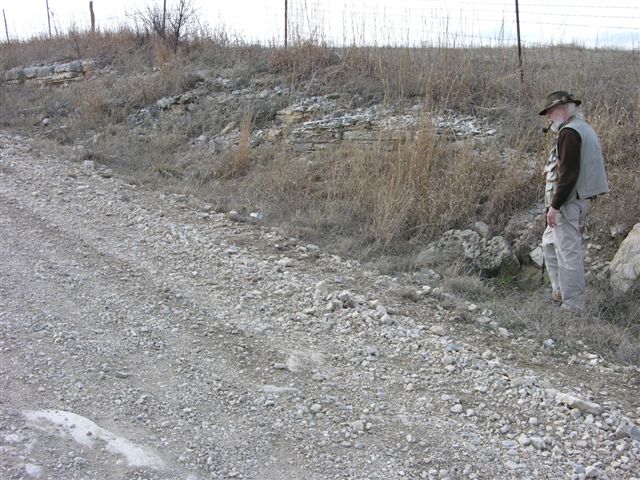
(423, 23)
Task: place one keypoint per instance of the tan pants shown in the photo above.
(562, 247)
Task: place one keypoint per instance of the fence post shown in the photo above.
(6, 30)
(519, 45)
(164, 18)
(48, 18)
(93, 17)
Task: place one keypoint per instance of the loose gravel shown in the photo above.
(143, 335)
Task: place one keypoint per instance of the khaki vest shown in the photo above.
(592, 179)
(551, 174)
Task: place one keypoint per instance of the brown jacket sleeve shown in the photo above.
(569, 145)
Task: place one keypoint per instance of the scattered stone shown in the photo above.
(511, 465)
(437, 330)
(575, 402)
(105, 173)
(482, 228)
(357, 426)
(617, 230)
(34, 471)
(488, 355)
(373, 351)
(592, 472)
(538, 443)
(524, 440)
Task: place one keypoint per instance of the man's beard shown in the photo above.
(555, 126)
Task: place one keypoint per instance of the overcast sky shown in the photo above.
(593, 23)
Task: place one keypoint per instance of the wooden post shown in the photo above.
(519, 45)
(286, 23)
(93, 18)
(48, 18)
(6, 30)
(164, 18)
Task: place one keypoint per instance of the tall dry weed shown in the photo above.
(236, 162)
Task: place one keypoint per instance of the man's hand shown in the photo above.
(551, 217)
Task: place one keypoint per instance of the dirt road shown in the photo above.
(145, 336)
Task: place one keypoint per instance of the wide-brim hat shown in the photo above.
(558, 98)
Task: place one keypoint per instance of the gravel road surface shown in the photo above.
(143, 335)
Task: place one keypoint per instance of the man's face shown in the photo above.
(557, 114)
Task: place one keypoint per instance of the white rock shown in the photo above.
(482, 228)
(488, 355)
(524, 440)
(538, 443)
(34, 471)
(357, 426)
(592, 472)
(625, 266)
(536, 256)
(437, 330)
(511, 465)
(575, 402)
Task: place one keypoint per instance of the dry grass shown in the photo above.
(363, 201)
(428, 185)
(235, 163)
(609, 326)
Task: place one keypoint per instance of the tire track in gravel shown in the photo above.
(67, 316)
(122, 274)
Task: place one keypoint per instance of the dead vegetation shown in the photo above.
(366, 202)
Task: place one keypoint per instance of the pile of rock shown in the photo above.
(490, 256)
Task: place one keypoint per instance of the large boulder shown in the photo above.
(625, 266)
(496, 257)
(490, 256)
(460, 244)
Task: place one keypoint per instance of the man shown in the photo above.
(575, 175)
